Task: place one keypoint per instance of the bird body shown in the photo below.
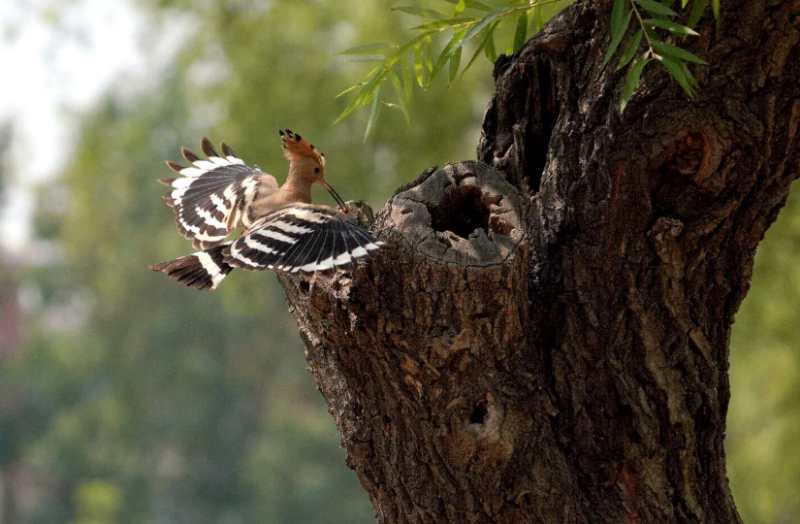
(284, 231)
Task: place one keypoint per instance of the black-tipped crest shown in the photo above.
(294, 144)
(291, 135)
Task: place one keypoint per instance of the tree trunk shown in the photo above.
(545, 336)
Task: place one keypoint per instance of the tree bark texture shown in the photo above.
(545, 336)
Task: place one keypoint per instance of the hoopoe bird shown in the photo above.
(283, 230)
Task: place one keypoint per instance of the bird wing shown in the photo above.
(212, 196)
(301, 237)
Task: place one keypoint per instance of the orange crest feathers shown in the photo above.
(294, 145)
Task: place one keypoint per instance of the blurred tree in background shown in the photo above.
(135, 400)
(140, 401)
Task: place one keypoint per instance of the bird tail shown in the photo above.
(200, 270)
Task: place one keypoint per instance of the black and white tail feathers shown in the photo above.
(211, 196)
(201, 270)
(301, 237)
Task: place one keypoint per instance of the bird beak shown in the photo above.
(339, 200)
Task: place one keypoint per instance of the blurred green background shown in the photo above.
(127, 399)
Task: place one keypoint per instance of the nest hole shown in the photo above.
(479, 412)
(462, 210)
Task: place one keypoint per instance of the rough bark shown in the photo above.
(545, 337)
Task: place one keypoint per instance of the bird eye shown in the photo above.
(316, 170)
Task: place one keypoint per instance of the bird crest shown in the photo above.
(295, 146)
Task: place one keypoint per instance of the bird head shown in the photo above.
(306, 161)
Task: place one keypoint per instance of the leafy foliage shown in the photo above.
(439, 43)
(656, 24)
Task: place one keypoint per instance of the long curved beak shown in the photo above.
(339, 200)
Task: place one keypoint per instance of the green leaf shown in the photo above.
(441, 25)
(630, 49)
(480, 26)
(677, 71)
(690, 76)
(715, 9)
(408, 82)
(373, 114)
(366, 49)
(455, 61)
(672, 27)
(472, 4)
(409, 45)
(488, 49)
(619, 13)
(365, 92)
(620, 19)
(632, 79)
(419, 66)
(366, 58)
(664, 48)
(478, 49)
(656, 8)
(521, 32)
(448, 51)
(354, 104)
(424, 12)
(684, 3)
(538, 19)
(698, 8)
(348, 90)
(397, 83)
(428, 56)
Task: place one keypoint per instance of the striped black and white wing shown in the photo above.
(212, 196)
(301, 237)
